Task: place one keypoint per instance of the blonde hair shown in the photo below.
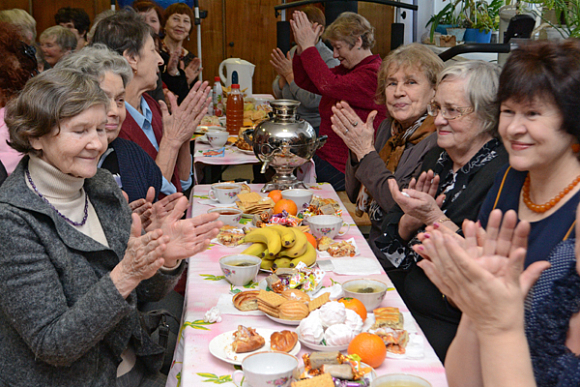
(348, 27)
(22, 20)
(412, 56)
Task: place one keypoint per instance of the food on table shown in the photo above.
(286, 205)
(308, 258)
(341, 371)
(323, 206)
(232, 140)
(283, 341)
(369, 347)
(293, 310)
(268, 236)
(338, 334)
(332, 313)
(324, 380)
(253, 203)
(319, 301)
(270, 299)
(388, 317)
(331, 363)
(355, 305)
(275, 283)
(311, 239)
(242, 144)
(342, 249)
(276, 195)
(246, 301)
(311, 328)
(318, 359)
(295, 294)
(210, 121)
(324, 243)
(230, 236)
(268, 217)
(246, 340)
(354, 321)
(395, 339)
(255, 249)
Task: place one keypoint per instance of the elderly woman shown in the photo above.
(16, 68)
(163, 136)
(353, 81)
(538, 122)
(56, 42)
(180, 67)
(132, 168)
(73, 262)
(456, 177)
(23, 21)
(406, 85)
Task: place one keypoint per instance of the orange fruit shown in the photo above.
(355, 305)
(286, 204)
(311, 239)
(276, 195)
(371, 349)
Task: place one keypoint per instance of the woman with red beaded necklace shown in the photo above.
(539, 123)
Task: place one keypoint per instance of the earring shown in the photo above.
(188, 38)
(575, 148)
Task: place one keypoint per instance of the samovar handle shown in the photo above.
(247, 134)
(321, 141)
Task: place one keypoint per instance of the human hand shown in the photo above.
(178, 126)
(192, 70)
(282, 63)
(304, 34)
(143, 207)
(420, 205)
(143, 257)
(163, 208)
(359, 136)
(188, 237)
(173, 63)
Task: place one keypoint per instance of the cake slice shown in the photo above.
(388, 317)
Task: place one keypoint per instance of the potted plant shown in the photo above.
(483, 19)
(446, 18)
(566, 16)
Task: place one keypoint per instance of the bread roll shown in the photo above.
(246, 301)
(293, 310)
(283, 341)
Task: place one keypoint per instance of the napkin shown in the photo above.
(215, 203)
(415, 348)
(351, 266)
(226, 306)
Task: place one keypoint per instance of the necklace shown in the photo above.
(541, 208)
(77, 224)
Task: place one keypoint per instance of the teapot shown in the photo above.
(245, 73)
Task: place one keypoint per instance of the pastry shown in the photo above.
(311, 328)
(324, 243)
(319, 301)
(332, 313)
(354, 322)
(247, 340)
(293, 310)
(318, 359)
(324, 380)
(275, 283)
(269, 310)
(388, 317)
(230, 236)
(245, 301)
(338, 334)
(270, 298)
(395, 339)
(283, 341)
(295, 294)
(342, 249)
(341, 371)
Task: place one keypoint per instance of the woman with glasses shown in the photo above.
(455, 179)
(406, 85)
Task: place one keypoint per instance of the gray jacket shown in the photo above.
(374, 175)
(62, 320)
(308, 109)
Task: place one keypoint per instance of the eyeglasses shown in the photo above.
(448, 113)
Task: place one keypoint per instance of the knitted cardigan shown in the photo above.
(62, 320)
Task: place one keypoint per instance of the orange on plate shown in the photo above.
(276, 195)
(286, 204)
(311, 239)
(355, 305)
(371, 349)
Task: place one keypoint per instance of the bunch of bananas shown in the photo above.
(280, 246)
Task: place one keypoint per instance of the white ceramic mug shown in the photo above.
(229, 216)
(268, 369)
(326, 226)
(299, 196)
(217, 138)
(225, 193)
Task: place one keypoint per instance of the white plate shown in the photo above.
(221, 346)
(283, 321)
(320, 347)
(205, 128)
(264, 285)
(247, 152)
(325, 254)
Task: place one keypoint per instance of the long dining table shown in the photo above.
(194, 364)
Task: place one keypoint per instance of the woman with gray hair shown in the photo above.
(455, 178)
(56, 42)
(73, 261)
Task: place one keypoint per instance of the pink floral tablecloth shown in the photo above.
(194, 365)
(233, 156)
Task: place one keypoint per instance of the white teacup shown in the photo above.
(299, 196)
(217, 138)
(229, 216)
(225, 193)
(267, 369)
(326, 226)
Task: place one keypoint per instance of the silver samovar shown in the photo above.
(284, 142)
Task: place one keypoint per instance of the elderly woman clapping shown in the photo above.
(455, 179)
(73, 261)
(406, 85)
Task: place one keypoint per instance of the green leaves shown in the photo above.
(196, 324)
(213, 378)
(211, 277)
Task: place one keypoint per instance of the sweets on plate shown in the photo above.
(395, 339)
(293, 310)
(342, 249)
(247, 300)
(354, 322)
(332, 313)
(338, 334)
(388, 317)
(283, 341)
(324, 380)
(246, 339)
(230, 235)
(311, 328)
(319, 301)
(295, 294)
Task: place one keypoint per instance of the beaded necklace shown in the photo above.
(77, 224)
(541, 208)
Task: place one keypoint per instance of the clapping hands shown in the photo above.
(305, 33)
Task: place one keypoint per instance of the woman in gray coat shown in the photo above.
(73, 260)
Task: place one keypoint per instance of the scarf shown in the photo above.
(391, 154)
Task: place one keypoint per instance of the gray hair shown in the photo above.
(482, 82)
(97, 60)
(46, 101)
(103, 15)
(21, 19)
(65, 38)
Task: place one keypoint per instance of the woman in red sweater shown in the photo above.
(353, 81)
